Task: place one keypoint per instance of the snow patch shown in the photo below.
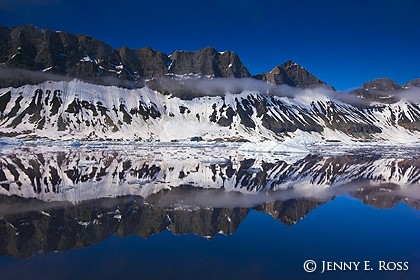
(87, 58)
(47, 69)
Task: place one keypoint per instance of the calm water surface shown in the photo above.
(117, 214)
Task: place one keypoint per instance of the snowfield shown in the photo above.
(78, 110)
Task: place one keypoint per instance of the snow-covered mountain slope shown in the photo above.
(63, 173)
(78, 110)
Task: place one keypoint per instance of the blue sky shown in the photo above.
(344, 43)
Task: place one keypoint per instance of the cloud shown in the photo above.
(14, 77)
(198, 87)
(412, 95)
(189, 88)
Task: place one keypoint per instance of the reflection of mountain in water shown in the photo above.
(30, 226)
(74, 226)
(289, 211)
(387, 196)
(58, 198)
(77, 174)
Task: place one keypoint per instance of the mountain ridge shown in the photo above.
(92, 60)
(204, 94)
(89, 59)
(291, 74)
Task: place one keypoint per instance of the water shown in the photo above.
(205, 212)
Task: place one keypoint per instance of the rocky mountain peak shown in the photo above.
(413, 83)
(208, 62)
(208, 50)
(89, 59)
(144, 62)
(379, 90)
(292, 74)
(381, 84)
(288, 64)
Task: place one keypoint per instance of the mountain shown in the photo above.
(382, 90)
(208, 62)
(382, 84)
(292, 74)
(78, 110)
(413, 83)
(89, 59)
(145, 62)
(79, 56)
(144, 94)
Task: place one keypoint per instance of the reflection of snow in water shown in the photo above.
(61, 171)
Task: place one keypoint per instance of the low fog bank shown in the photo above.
(14, 77)
(411, 94)
(192, 87)
(199, 87)
(188, 88)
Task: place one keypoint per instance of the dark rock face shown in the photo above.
(89, 59)
(382, 84)
(413, 83)
(208, 62)
(379, 90)
(292, 74)
(62, 53)
(145, 62)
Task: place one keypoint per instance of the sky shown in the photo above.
(344, 43)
